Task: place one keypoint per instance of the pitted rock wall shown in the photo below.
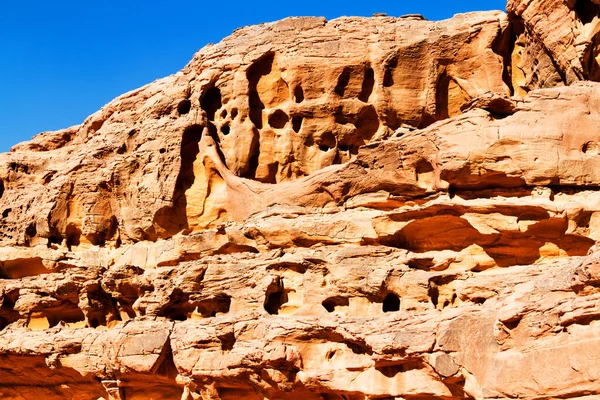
(363, 208)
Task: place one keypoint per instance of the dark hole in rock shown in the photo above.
(184, 107)
(122, 149)
(6, 213)
(297, 123)
(260, 68)
(189, 152)
(10, 299)
(225, 129)
(391, 371)
(327, 141)
(31, 230)
(441, 97)
(227, 341)
(434, 293)
(234, 113)
(278, 119)
(388, 75)
(211, 102)
(331, 303)
(423, 167)
(55, 236)
(368, 84)
(219, 304)
(590, 147)
(73, 236)
(391, 303)
(513, 324)
(178, 306)
(451, 191)
(162, 151)
(17, 167)
(343, 81)
(1, 189)
(298, 94)
(586, 10)
(275, 300)
(224, 114)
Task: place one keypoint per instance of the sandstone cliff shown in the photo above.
(362, 208)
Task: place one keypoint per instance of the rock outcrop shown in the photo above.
(363, 208)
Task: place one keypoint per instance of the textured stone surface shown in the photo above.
(363, 208)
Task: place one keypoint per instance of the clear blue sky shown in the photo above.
(62, 60)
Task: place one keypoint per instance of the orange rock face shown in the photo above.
(363, 208)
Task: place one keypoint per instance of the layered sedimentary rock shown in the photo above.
(360, 208)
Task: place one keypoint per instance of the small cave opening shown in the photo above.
(342, 83)
(31, 230)
(326, 141)
(590, 147)
(297, 123)
(189, 151)
(275, 301)
(220, 304)
(261, 67)
(68, 314)
(368, 84)
(586, 10)
(298, 94)
(73, 236)
(227, 341)
(441, 97)
(226, 129)
(388, 74)
(275, 297)
(1, 189)
(278, 119)
(184, 107)
(211, 102)
(253, 156)
(434, 293)
(332, 303)
(234, 113)
(6, 212)
(391, 303)
(178, 307)
(8, 315)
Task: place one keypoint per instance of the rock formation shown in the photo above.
(362, 208)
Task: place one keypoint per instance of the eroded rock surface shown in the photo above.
(363, 208)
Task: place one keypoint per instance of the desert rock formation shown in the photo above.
(362, 208)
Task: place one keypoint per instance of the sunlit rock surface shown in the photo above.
(363, 208)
